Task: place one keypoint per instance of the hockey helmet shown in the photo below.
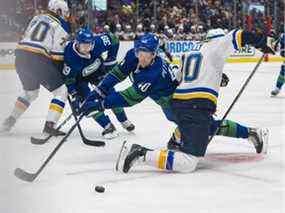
(147, 43)
(59, 7)
(85, 36)
(215, 33)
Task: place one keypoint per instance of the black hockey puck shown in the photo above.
(99, 189)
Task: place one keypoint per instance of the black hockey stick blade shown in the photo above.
(39, 141)
(97, 143)
(25, 176)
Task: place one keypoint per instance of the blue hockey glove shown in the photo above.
(97, 93)
(89, 108)
(75, 103)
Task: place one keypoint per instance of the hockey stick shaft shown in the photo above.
(57, 147)
(238, 95)
(84, 139)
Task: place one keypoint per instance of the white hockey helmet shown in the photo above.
(59, 7)
(215, 33)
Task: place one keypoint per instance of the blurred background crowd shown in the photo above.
(177, 19)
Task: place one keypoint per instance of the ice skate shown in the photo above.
(136, 152)
(275, 92)
(49, 129)
(109, 131)
(259, 138)
(128, 125)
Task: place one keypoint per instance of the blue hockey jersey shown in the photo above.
(79, 67)
(157, 81)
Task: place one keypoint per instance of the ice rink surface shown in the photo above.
(231, 179)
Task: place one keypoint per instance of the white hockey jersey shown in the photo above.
(202, 67)
(45, 35)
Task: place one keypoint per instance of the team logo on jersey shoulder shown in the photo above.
(66, 70)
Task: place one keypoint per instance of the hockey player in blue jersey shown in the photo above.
(280, 46)
(86, 61)
(155, 78)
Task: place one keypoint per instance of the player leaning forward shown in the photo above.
(86, 61)
(195, 99)
(39, 61)
(161, 87)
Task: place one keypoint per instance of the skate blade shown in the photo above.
(111, 136)
(265, 136)
(121, 157)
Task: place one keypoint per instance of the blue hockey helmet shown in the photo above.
(148, 43)
(84, 35)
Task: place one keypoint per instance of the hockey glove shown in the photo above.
(225, 80)
(97, 93)
(89, 108)
(75, 103)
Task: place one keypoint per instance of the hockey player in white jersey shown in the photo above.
(195, 100)
(39, 60)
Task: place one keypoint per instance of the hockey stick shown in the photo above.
(39, 141)
(238, 95)
(30, 177)
(84, 139)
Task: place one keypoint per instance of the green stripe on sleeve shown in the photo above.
(132, 96)
(117, 73)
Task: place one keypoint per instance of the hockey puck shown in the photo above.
(99, 189)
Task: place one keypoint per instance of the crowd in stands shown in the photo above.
(177, 19)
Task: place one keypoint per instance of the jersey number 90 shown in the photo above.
(191, 64)
(40, 31)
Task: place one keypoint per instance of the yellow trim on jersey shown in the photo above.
(39, 51)
(32, 49)
(238, 38)
(195, 95)
(162, 159)
(53, 18)
(56, 108)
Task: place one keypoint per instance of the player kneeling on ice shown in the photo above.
(193, 102)
(86, 62)
(39, 61)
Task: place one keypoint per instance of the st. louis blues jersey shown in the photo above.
(202, 68)
(157, 81)
(46, 35)
(78, 67)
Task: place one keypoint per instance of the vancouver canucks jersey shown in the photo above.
(78, 67)
(46, 35)
(203, 65)
(157, 81)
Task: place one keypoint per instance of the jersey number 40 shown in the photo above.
(191, 64)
